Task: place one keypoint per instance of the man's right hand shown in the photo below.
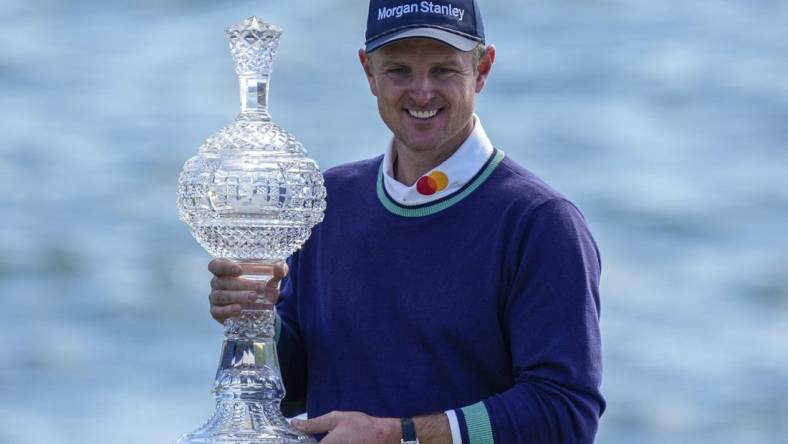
(230, 293)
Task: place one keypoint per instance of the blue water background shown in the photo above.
(665, 121)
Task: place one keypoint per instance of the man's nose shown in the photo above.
(422, 90)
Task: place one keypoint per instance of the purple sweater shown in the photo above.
(485, 301)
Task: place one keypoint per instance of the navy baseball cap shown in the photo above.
(455, 22)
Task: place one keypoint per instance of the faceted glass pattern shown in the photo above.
(254, 44)
(251, 194)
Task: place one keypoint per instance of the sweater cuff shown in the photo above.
(474, 424)
(454, 426)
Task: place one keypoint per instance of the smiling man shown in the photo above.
(449, 295)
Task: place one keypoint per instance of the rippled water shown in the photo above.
(665, 121)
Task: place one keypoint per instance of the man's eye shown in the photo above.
(443, 71)
(397, 71)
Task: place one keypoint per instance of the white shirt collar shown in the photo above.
(444, 179)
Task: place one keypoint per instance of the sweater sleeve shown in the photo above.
(550, 316)
(290, 345)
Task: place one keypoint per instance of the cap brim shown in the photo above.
(450, 38)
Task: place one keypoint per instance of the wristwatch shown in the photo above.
(408, 432)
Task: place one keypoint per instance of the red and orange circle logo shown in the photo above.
(432, 183)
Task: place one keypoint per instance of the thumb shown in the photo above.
(279, 271)
(319, 424)
(270, 289)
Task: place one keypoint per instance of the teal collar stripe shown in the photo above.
(477, 421)
(426, 210)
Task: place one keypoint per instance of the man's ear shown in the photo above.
(363, 57)
(485, 66)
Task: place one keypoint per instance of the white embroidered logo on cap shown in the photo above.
(425, 7)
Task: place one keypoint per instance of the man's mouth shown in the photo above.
(423, 115)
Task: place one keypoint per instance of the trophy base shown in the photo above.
(243, 422)
(256, 438)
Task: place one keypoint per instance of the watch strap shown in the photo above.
(408, 431)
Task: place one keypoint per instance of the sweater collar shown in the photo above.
(444, 179)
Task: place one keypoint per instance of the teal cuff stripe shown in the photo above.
(442, 205)
(477, 421)
(277, 327)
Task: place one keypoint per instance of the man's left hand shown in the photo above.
(352, 427)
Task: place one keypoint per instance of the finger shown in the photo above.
(256, 268)
(270, 289)
(227, 297)
(233, 284)
(335, 436)
(222, 313)
(224, 267)
(268, 295)
(278, 272)
(320, 424)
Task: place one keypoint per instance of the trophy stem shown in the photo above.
(248, 387)
(254, 96)
(256, 320)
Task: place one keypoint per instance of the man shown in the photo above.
(447, 287)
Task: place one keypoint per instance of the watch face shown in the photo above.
(408, 432)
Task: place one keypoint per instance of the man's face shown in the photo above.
(426, 91)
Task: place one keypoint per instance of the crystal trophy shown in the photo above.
(251, 195)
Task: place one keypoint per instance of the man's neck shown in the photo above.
(410, 165)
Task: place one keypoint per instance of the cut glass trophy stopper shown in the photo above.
(254, 44)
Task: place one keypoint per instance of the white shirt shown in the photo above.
(444, 179)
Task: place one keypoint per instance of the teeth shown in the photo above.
(423, 114)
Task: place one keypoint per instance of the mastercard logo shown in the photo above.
(432, 183)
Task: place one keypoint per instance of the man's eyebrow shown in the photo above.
(391, 62)
(442, 62)
(448, 62)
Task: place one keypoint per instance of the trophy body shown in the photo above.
(251, 195)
